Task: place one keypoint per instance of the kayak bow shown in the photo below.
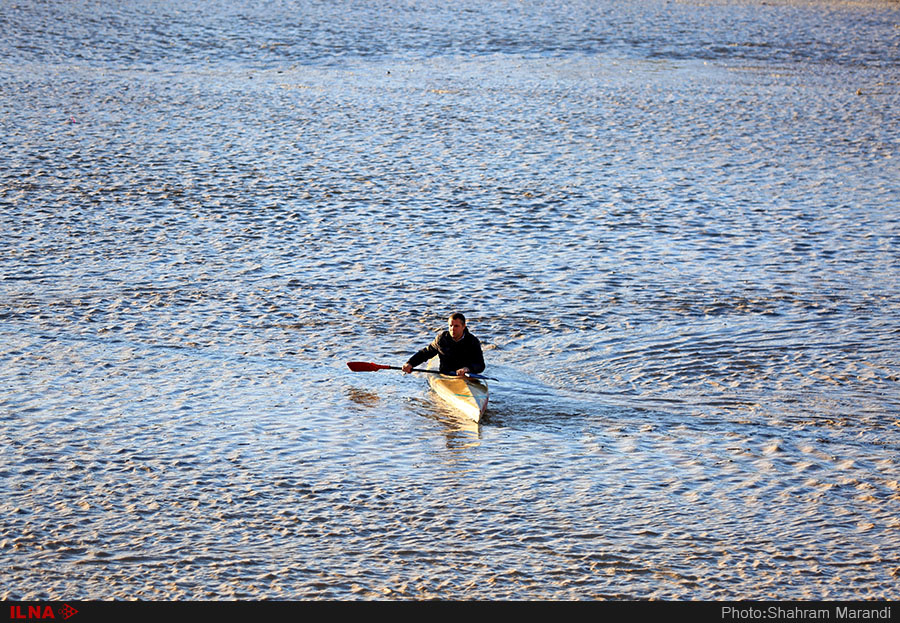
(465, 394)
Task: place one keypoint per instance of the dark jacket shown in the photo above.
(466, 353)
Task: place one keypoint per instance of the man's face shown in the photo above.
(456, 328)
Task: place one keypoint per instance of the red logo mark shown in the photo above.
(40, 612)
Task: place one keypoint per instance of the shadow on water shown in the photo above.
(519, 400)
(362, 399)
(405, 400)
(458, 430)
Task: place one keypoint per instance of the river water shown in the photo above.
(673, 225)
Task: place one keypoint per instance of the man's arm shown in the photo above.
(476, 357)
(421, 356)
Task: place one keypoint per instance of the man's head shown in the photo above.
(456, 324)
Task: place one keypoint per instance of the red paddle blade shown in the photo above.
(362, 366)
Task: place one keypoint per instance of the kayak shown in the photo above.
(467, 395)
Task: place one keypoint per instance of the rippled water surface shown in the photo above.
(673, 225)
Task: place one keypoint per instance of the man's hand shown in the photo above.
(462, 372)
(406, 368)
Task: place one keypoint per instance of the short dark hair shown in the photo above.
(458, 316)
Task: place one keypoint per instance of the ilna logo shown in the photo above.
(26, 613)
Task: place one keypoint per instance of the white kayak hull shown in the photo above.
(468, 396)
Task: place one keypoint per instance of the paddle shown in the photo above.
(363, 366)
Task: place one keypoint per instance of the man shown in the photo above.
(459, 350)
